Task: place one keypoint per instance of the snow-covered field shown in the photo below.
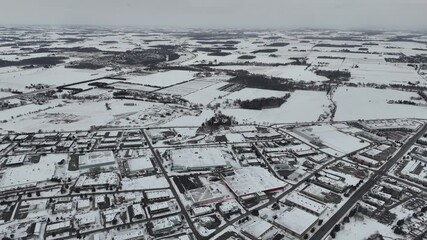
(252, 93)
(371, 103)
(27, 109)
(207, 95)
(302, 106)
(74, 116)
(54, 76)
(334, 139)
(189, 87)
(362, 229)
(162, 79)
(385, 74)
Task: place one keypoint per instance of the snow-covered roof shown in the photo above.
(306, 202)
(296, 220)
(165, 223)
(140, 164)
(257, 228)
(193, 158)
(252, 180)
(158, 206)
(93, 159)
(28, 174)
(58, 225)
(134, 234)
(15, 159)
(158, 194)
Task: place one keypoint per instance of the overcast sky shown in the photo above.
(342, 14)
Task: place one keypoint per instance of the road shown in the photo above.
(175, 193)
(336, 218)
(271, 202)
(229, 223)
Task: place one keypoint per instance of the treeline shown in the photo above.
(278, 44)
(248, 57)
(217, 121)
(419, 58)
(407, 102)
(85, 65)
(262, 103)
(267, 50)
(145, 96)
(275, 83)
(422, 94)
(38, 61)
(408, 87)
(334, 75)
(337, 45)
(68, 49)
(331, 57)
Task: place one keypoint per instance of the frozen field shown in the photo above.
(26, 109)
(75, 116)
(302, 106)
(207, 95)
(332, 138)
(54, 76)
(385, 74)
(252, 93)
(162, 79)
(371, 103)
(362, 229)
(191, 86)
(132, 86)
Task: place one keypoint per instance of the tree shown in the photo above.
(346, 219)
(255, 212)
(400, 222)
(352, 212)
(398, 230)
(337, 227)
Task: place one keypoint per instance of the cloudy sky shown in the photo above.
(342, 14)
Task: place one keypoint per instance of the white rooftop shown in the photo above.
(257, 227)
(306, 202)
(252, 180)
(188, 158)
(296, 220)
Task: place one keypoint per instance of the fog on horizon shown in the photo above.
(340, 14)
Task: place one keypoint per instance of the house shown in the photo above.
(157, 195)
(58, 227)
(165, 225)
(229, 207)
(159, 207)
